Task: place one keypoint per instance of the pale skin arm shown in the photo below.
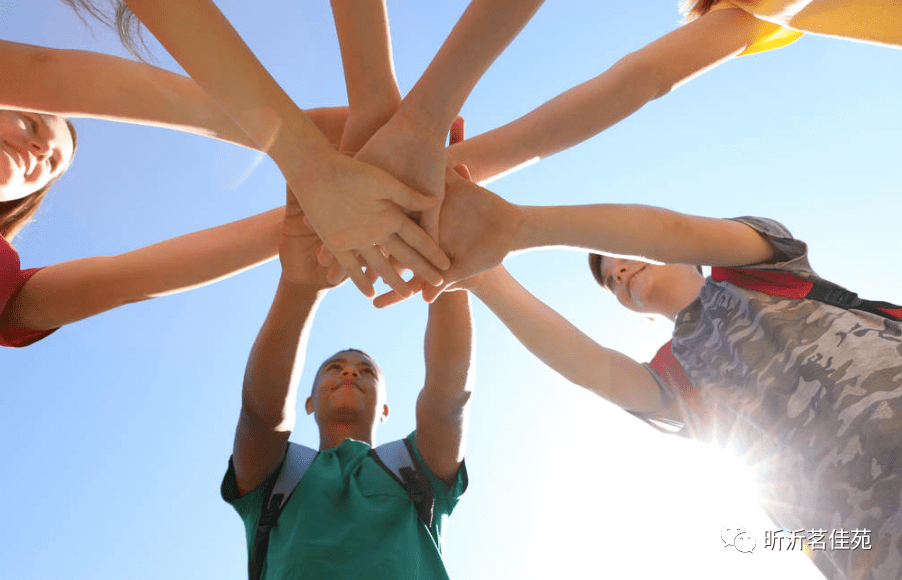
(603, 371)
(78, 83)
(354, 207)
(593, 106)
(373, 93)
(411, 146)
(269, 394)
(443, 404)
(480, 229)
(78, 289)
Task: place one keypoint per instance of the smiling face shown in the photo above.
(348, 388)
(35, 149)
(648, 288)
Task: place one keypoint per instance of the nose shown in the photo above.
(619, 270)
(40, 148)
(349, 371)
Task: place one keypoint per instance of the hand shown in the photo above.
(416, 156)
(298, 245)
(361, 125)
(355, 207)
(477, 232)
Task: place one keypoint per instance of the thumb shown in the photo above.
(411, 200)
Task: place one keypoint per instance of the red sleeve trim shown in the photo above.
(19, 337)
(781, 284)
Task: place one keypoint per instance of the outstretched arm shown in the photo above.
(352, 206)
(589, 108)
(78, 83)
(74, 290)
(443, 404)
(274, 367)
(607, 373)
(411, 146)
(373, 94)
(479, 229)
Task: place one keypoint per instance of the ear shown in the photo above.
(308, 405)
(384, 417)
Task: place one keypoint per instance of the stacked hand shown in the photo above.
(356, 209)
(298, 244)
(477, 230)
(477, 226)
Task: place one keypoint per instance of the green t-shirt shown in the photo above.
(348, 518)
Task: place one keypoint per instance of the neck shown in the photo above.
(683, 295)
(332, 434)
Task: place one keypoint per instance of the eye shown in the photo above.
(32, 124)
(333, 366)
(368, 371)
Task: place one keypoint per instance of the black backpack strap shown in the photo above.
(790, 285)
(399, 461)
(835, 295)
(275, 495)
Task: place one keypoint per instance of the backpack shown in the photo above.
(786, 285)
(396, 458)
(773, 282)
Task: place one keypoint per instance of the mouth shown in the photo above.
(18, 156)
(347, 384)
(629, 281)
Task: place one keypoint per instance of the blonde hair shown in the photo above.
(117, 16)
(692, 9)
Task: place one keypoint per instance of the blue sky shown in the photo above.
(117, 429)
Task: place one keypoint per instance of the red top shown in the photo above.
(12, 278)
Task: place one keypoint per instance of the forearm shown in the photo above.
(481, 34)
(563, 347)
(443, 404)
(204, 43)
(564, 121)
(76, 83)
(276, 360)
(593, 106)
(448, 349)
(365, 41)
(74, 290)
(646, 232)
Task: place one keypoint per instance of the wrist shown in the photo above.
(301, 289)
(434, 122)
(297, 147)
(525, 231)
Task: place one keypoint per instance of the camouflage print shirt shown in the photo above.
(810, 396)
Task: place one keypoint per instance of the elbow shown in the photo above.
(272, 417)
(645, 75)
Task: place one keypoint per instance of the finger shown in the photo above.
(430, 293)
(463, 171)
(415, 237)
(380, 264)
(370, 273)
(336, 273)
(413, 261)
(390, 298)
(409, 199)
(324, 256)
(457, 131)
(349, 262)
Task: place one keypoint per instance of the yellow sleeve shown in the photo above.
(772, 35)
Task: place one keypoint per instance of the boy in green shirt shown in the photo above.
(347, 518)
